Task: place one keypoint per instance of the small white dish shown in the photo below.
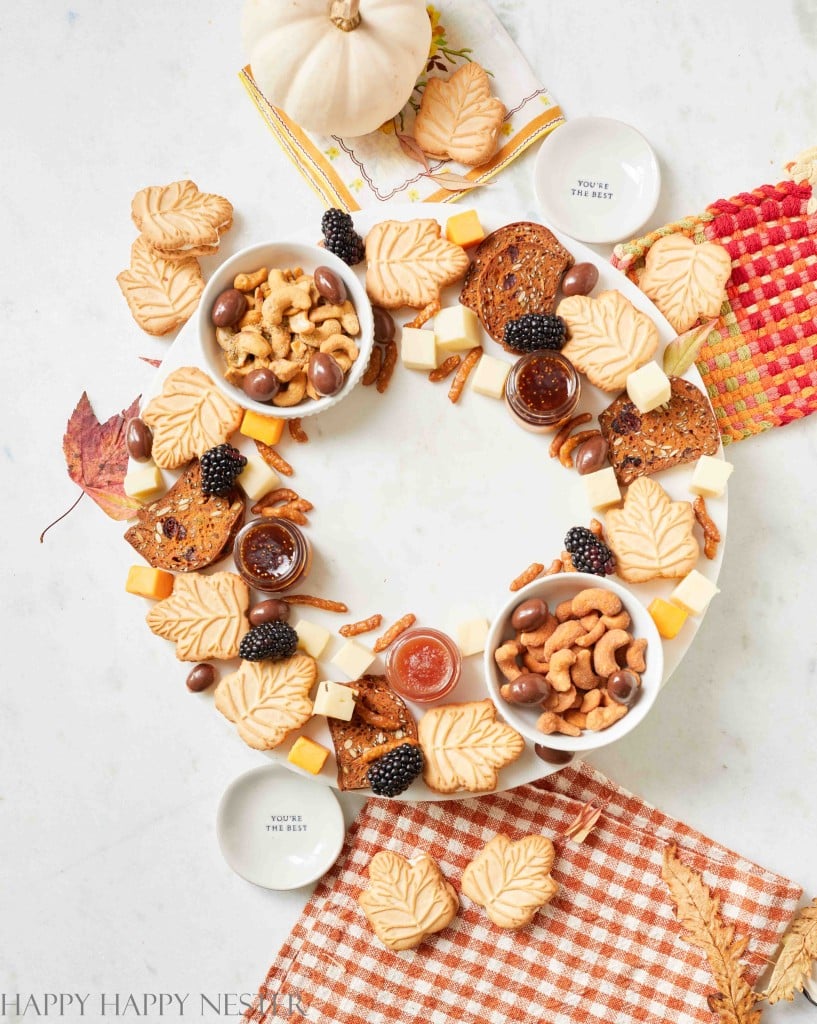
(279, 830)
(553, 590)
(596, 179)
(283, 255)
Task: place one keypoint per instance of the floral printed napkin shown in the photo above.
(351, 173)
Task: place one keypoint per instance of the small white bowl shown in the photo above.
(596, 179)
(283, 255)
(554, 590)
(279, 830)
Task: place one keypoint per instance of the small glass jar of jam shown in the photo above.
(272, 554)
(423, 664)
(542, 391)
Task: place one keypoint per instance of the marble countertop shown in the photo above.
(111, 877)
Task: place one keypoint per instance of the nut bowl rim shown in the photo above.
(272, 254)
(524, 719)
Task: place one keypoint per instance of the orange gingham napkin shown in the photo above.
(607, 948)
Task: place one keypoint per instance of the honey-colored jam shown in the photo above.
(272, 554)
(542, 390)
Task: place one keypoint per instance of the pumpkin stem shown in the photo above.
(345, 14)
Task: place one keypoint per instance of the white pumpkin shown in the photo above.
(339, 67)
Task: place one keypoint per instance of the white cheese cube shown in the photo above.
(694, 593)
(257, 478)
(710, 476)
(418, 349)
(457, 328)
(335, 701)
(648, 387)
(489, 377)
(312, 638)
(471, 636)
(144, 481)
(601, 489)
(353, 659)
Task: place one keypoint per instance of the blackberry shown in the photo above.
(394, 772)
(588, 553)
(535, 331)
(271, 641)
(219, 468)
(340, 236)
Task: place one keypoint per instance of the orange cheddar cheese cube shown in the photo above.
(464, 229)
(146, 581)
(265, 429)
(308, 754)
(667, 617)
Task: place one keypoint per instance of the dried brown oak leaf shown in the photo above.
(798, 952)
(268, 699)
(408, 263)
(459, 118)
(97, 457)
(698, 911)
(162, 294)
(686, 280)
(206, 616)
(652, 535)
(179, 221)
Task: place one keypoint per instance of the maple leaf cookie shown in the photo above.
(511, 880)
(459, 118)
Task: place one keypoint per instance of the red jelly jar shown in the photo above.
(423, 665)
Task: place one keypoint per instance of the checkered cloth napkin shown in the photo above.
(759, 364)
(607, 948)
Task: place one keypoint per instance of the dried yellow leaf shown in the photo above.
(797, 953)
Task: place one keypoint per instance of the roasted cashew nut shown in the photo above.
(634, 658)
(564, 611)
(247, 345)
(559, 673)
(565, 635)
(593, 635)
(293, 393)
(604, 654)
(539, 637)
(249, 282)
(596, 599)
(285, 369)
(604, 717)
(582, 672)
(550, 722)
(342, 349)
(281, 298)
(505, 658)
(533, 664)
(620, 621)
(559, 702)
(590, 700)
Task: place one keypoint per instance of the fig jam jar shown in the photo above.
(542, 391)
(423, 665)
(272, 554)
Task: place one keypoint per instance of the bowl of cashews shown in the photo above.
(573, 661)
(285, 329)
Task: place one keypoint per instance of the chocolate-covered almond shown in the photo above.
(228, 308)
(325, 374)
(261, 385)
(529, 615)
(200, 677)
(271, 610)
(383, 324)
(623, 687)
(551, 756)
(139, 439)
(581, 279)
(591, 455)
(329, 285)
(529, 688)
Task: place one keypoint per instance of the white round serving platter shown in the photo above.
(278, 831)
(428, 507)
(596, 179)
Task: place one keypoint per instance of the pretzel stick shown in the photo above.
(280, 496)
(445, 369)
(425, 314)
(296, 431)
(528, 576)
(564, 433)
(392, 633)
(573, 442)
(316, 602)
(555, 566)
(712, 535)
(363, 626)
(288, 512)
(387, 369)
(273, 459)
(373, 369)
(465, 368)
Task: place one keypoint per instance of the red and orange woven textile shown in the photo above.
(606, 948)
(759, 364)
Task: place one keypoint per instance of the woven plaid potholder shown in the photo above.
(759, 364)
(607, 948)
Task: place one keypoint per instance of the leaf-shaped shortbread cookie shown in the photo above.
(188, 417)
(408, 263)
(268, 699)
(460, 118)
(652, 535)
(686, 280)
(206, 616)
(407, 900)
(511, 880)
(162, 294)
(180, 221)
(608, 337)
(465, 746)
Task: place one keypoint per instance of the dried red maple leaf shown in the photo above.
(153, 362)
(97, 458)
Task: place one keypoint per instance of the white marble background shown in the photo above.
(110, 875)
